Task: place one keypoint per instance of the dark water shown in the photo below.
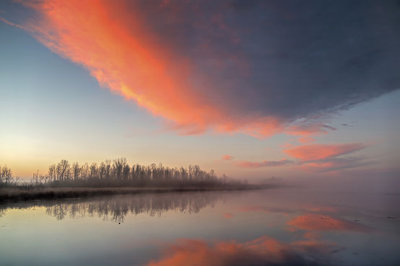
(288, 226)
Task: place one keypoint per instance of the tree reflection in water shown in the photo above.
(117, 207)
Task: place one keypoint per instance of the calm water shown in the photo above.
(272, 227)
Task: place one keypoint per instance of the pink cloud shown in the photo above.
(227, 157)
(335, 164)
(306, 130)
(314, 152)
(260, 251)
(319, 222)
(249, 164)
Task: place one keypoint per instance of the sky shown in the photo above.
(252, 89)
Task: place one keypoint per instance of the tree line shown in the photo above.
(120, 173)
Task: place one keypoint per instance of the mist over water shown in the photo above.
(285, 226)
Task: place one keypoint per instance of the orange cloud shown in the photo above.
(227, 157)
(198, 65)
(322, 151)
(115, 44)
(260, 251)
(118, 47)
(319, 222)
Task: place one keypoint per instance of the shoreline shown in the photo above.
(15, 194)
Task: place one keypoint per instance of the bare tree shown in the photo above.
(118, 166)
(120, 173)
(52, 172)
(63, 170)
(93, 170)
(76, 171)
(5, 175)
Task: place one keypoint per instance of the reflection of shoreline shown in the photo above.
(117, 207)
(51, 193)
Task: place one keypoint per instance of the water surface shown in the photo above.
(289, 226)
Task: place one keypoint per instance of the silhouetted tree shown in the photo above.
(120, 173)
(63, 170)
(5, 175)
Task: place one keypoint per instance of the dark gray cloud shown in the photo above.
(288, 59)
(257, 67)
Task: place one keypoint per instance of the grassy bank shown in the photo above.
(12, 194)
